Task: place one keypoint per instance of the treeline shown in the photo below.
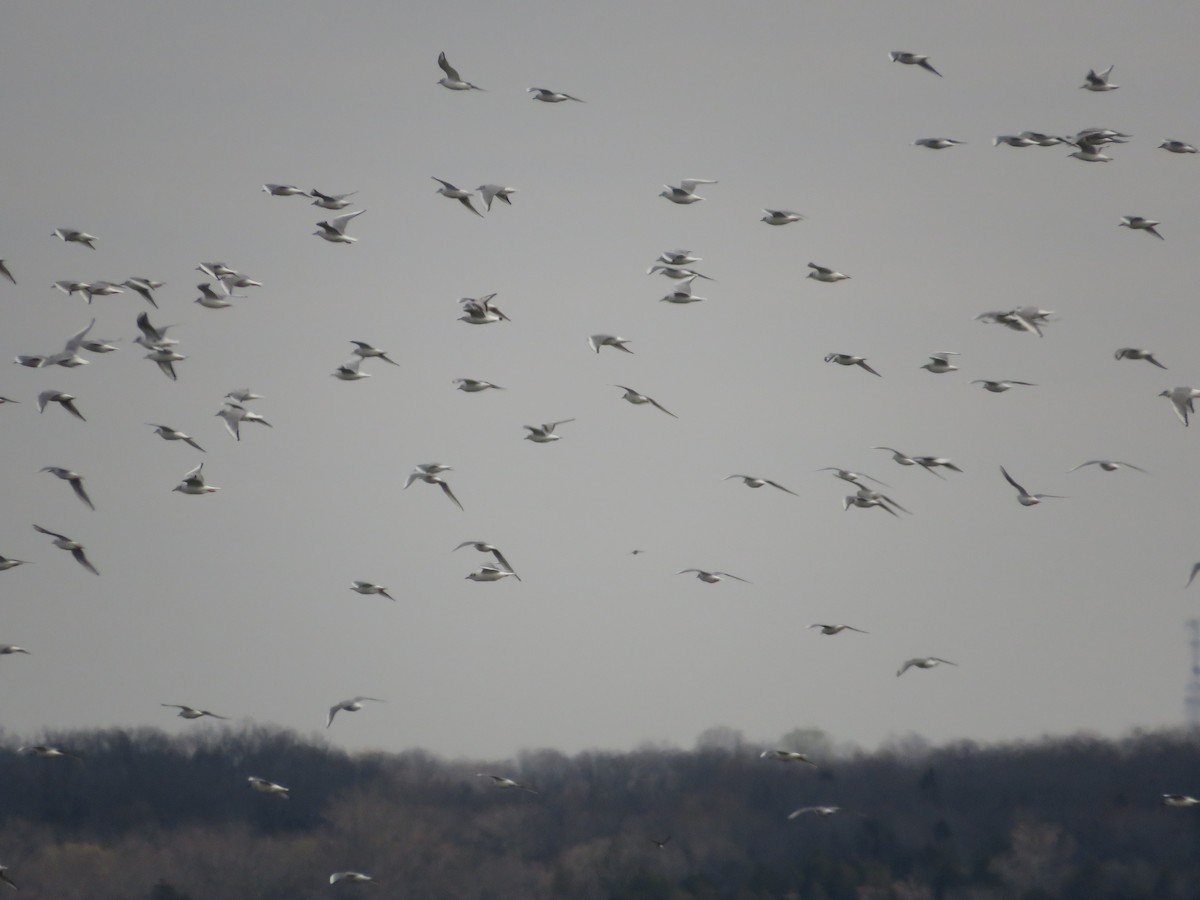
(142, 816)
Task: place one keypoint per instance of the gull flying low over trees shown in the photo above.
(269, 787)
(787, 756)
(192, 712)
(354, 704)
(506, 784)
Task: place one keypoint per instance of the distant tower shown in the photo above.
(1191, 702)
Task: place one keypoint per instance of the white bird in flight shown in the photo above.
(47, 751)
(284, 190)
(923, 662)
(677, 258)
(936, 143)
(1090, 153)
(815, 810)
(596, 341)
(485, 547)
(1179, 800)
(234, 414)
(170, 434)
(1135, 353)
(1182, 400)
(1169, 145)
(821, 273)
(786, 756)
(686, 192)
(349, 370)
(490, 192)
(549, 96)
(166, 357)
(837, 629)
(65, 543)
(452, 79)
(475, 385)
(999, 387)
(152, 336)
(334, 230)
(65, 400)
(639, 399)
(428, 473)
(929, 463)
(10, 649)
(192, 712)
(75, 480)
(1013, 140)
(7, 563)
(853, 477)
(491, 572)
(865, 498)
(544, 434)
(848, 359)
(328, 201)
(368, 588)
(753, 481)
(939, 363)
(711, 577)
(193, 483)
(902, 458)
(71, 236)
(481, 311)
(505, 784)
(354, 704)
(682, 294)
(456, 193)
(351, 876)
(269, 787)
(1023, 496)
(913, 59)
(780, 216)
(145, 287)
(1108, 465)
(1139, 223)
(1098, 81)
(366, 351)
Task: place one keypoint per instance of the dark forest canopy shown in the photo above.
(139, 815)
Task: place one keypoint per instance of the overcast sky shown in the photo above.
(153, 126)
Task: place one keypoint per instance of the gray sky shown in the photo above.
(154, 126)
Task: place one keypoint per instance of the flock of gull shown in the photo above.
(676, 266)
